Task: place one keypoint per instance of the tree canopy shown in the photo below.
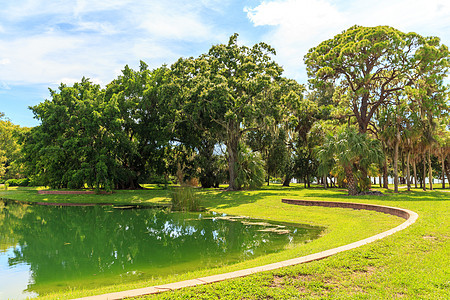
(377, 105)
(369, 64)
(234, 89)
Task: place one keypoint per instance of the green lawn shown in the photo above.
(152, 195)
(413, 263)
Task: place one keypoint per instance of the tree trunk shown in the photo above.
(232, 148)
(287, 180)
(447, 170)
(379, 180)
(408, 172)
(351, 184)
(366, 183)
(415, 171)
(430, 170)
(443, 169)
(424, 173)
(396, 163)
(385, 175)
(324, 181)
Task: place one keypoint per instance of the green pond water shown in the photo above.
(52, 248)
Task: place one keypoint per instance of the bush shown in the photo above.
(184, 199)
(23, 182)
(156, 179)
(18, 182)
(35, 181)
(11, 182)
(250, 171)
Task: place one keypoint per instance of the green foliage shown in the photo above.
(145, 116)
(10, 156)
(18, 182)
(230, 90)
(369, 64)
(352, 151)
(278, 155)
(100, 138)
(184, 199)
(250, 169)
(211, 166)
(173, 121)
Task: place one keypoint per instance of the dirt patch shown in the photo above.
(280, 281)
(277, 281)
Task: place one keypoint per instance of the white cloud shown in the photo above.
(176, 26)
(4, 86)
(84, 6)
(95, 39)
(50, 57)
(5, 61)
(179, 20)
(298, 25)
(100, 27)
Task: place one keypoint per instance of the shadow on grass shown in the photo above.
(389, 195)
(228, 199)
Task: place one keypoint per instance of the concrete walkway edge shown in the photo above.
(410, 217)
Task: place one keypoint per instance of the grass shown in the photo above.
(151, 195)
(411, 264)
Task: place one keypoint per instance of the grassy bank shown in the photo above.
(151, 195)
(412, 263)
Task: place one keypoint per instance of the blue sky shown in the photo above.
(46, 42)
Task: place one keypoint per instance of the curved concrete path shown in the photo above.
(410, 217)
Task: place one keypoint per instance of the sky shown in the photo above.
(47, 42)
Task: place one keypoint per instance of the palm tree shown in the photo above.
(353, 151)
(442, 149)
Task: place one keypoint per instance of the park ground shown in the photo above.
(411, 264)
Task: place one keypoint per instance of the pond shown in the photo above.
(51, 248)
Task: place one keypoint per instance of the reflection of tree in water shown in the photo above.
(69, 243)
(10, 218)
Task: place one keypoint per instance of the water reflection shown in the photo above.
(62, 247)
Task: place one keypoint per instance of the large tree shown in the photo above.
(68, 148)
(143, 99)
(101, 138)
(234, 87)
(369, 64)
(9, 148)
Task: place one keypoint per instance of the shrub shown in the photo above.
(23, 182)
(11, 182)
(35, 181)
(250, 171)
(18, 182)
(184, 199)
